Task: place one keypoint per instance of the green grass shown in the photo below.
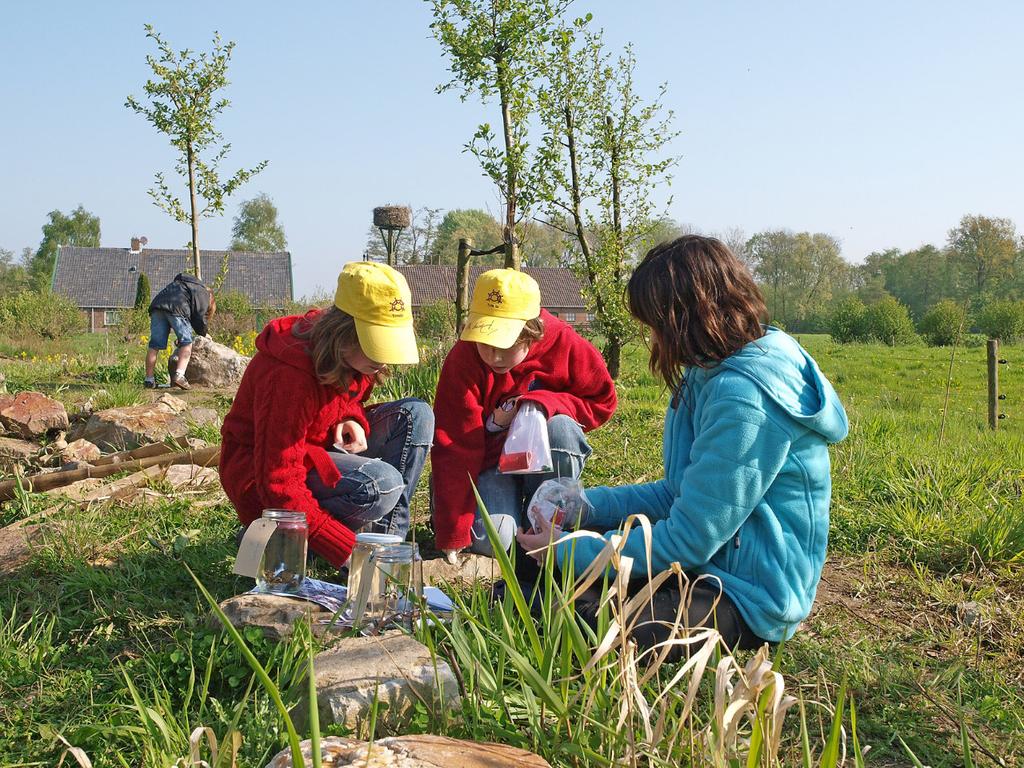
(919, 529)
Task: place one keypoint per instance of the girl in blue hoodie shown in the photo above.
(744, 501)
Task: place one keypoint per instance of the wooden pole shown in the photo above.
(207, 457)
(993, 383)
(462, 283)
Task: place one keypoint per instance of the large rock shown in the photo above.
(14, 452)
(187, 476)
(119, 429)
(426, 751)
(215, 365)
(395, 669)
(274, 615)
(470, 568)
(16, 542)
(80, 450)
(32, 414)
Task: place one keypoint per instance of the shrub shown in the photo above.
(889, 321)
(133, 323)
(435, 323)
(944, 323)
(142, 292)
(40, 314)
(1003, 320)
(847, 321)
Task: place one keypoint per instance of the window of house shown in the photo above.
(111, 317)
(570, 317)
(590, 317)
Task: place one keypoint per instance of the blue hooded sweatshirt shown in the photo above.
(747, 484)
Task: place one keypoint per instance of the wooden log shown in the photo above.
(207, 457)
(145, 452)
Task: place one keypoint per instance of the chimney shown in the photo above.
(138, 243)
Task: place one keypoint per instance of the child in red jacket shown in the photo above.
(510, 352)
(298, 435)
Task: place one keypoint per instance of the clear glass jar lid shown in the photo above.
(285, 516)
(385, 539)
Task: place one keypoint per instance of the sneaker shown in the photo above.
(149, 383)
(180, 383)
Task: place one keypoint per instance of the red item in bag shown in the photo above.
(513, 462)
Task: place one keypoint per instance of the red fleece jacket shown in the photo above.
(279, 427)
(562, 373)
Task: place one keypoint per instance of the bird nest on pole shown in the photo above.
(392, 217)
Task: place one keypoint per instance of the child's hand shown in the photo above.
(505, 412)
(351, 435)
(537, 540)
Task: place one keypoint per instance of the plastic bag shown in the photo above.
(527, 448)
(561, 501)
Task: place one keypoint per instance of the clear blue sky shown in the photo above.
(879, 122)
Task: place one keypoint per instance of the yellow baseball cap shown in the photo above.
(503, 300)
(379, 300)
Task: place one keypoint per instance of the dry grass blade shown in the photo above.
(195, 743)
(76, 752)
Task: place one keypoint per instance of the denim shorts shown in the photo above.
(160, 325)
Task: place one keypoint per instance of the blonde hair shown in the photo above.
(330, 336)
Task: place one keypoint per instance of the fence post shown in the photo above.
(993, 383)
(462, 283)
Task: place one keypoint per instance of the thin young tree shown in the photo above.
(600, 164)
(183, 103)
(495, 47)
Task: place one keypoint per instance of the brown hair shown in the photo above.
(532, 331)
(212, 309)
(330, 335)
(700, 302)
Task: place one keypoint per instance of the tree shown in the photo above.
(14, 276)
(256, 227)
(944, 323)
(76, 228)
(415, 246)
(600, 163)
(183, 104)
(472, 223)
(985, 251)
(142, 292)
(496, 47)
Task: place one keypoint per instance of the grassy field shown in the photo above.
(921, 607)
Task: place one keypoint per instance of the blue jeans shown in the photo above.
(506, 496)
(160, 325)
(376, 485)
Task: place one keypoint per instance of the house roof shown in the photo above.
(430, 283)
(108, 277)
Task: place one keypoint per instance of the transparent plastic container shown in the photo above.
(283, 565)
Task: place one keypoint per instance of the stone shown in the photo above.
(119, 429)
(425, 751)
(470, 568)
(3, 383)
(80, 451)
(273, 614)
(196, 443)
(185, 476)
(78, 490)
(32, 414)
(215, 365)
(16, 541)
(394, 668)
(969, 613)
(203, 416)
(14, 452)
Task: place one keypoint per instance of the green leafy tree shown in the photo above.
(76, 228)
(415, 246)
(600, 161)
(142, 292)
(14, 276)
(889, 322)
(495, 48)
(472, 223)
(256, 227)
(183, 103)
(846, 322)
(944, 323)
(984, 250)
(1003, 320)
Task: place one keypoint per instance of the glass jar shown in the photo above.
(283, 565)
(361, 565)
(400, 572)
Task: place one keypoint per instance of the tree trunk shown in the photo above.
(462, 283)
(512, 260)
(612, 353)
(194, 216)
